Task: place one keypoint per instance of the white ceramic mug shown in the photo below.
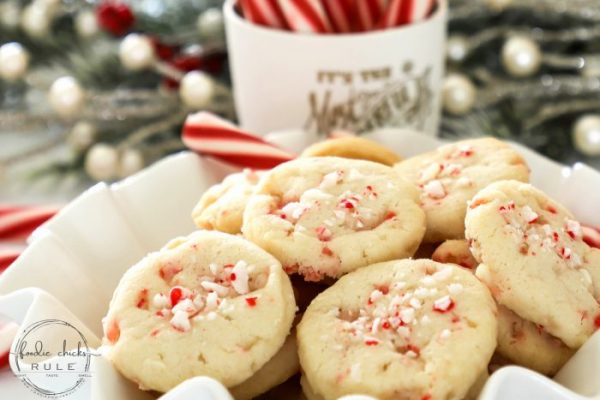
(356, 81)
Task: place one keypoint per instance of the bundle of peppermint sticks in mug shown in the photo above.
(335, 16)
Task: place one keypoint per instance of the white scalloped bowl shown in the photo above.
(75, 260)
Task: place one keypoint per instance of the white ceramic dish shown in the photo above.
(75, 260)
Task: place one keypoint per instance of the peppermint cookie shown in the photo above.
(533, 259)
(529, 345)
(451, 175)
(354, 147)
(308, 392)
(520, 341)
(209, 304)
(280, 368)
(455, 252)
(326, 216)
(222, 206)
(409, 329)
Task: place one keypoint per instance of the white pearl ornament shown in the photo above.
(82, 135)
(86, 25)
(457, 49)
(66, 96)
(497, 5)
(210, 23)
(136, 52)
(521, 56)
(196, 89)
(586, 135)
(10, 14)
(458, 94)
(36, 20)
(131, 162)
(102, 162)
(14, 60)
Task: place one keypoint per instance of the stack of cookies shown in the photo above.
(368, 274)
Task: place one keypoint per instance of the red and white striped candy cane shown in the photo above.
(401, 12)
(210, 135)
(306, 16)
(420, 10)
(8, 256)
(591, 236)
(18, 222)
(264, 12)
(369, 13)
(341, 14)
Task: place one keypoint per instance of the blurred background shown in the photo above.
(97, 90)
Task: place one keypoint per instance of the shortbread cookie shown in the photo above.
(475, 390)
(455, 252)
(533, 259)
(529, 345)
(279, 369)
(308, 391)
(209, 304)
(412, 327)
(451, 175)
(357, 148)
(521, 341)
(222, 206)
(326, 216)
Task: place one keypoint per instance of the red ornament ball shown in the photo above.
(115, 18)
(211, 63)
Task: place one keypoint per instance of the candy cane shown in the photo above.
(370, 13)
(18, 222)
(8, 256)
(397, 13)
(264, 12)
(307, 16)
(421, 9)
(591, 236)
(341, 14)
(400, 12)
(210, 135)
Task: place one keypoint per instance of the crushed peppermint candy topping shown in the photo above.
(534, 233)
(332, 179)
(210, 298)
(442, 274)
(451, 169)
(443, 304)
(430, 172)
(354, 175)
(160, 301)
(455, 288)
(392, 312)
(529, 215)
(434, 189)
(180, 321)
(323, 233)
(239, 273)
(463, 181)
(220, 290)
(293, 210)
(445, 334)
(573, 229)
(465, 151)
